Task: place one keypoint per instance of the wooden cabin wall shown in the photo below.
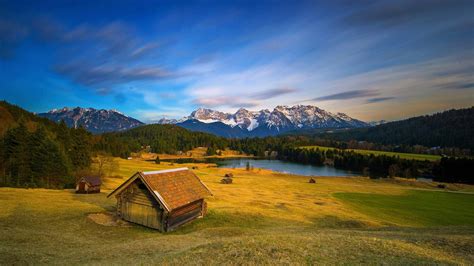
(185, 214)
(138, 206)
(84, 187)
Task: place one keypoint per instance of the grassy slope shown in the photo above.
(262, 218)
(196, 153)
(416, 208)
(408, 156)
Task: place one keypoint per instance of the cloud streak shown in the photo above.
(404, 11)
(110, 74)
(94, 56)
(233, 102)
(272, 93)
(340, 56)
(12, 34)
(379, 99)
(347, 95)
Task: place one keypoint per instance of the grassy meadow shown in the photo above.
(262, 218)
(196, 153)
(408, 156)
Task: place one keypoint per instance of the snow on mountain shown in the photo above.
(166, 121)
(242, 123)
(281, 119)
(376, 123)
(93, 120)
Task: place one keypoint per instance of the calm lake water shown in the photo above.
(286, 167)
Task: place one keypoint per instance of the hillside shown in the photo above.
(36, 152)
(93, 120)
(158, 138)
(453, 128)
(11, 116)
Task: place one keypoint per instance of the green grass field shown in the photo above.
(415, 208)
(408, 156)
(262, 218)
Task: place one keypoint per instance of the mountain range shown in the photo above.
(245, 123)
(94, 120)
(452, 128)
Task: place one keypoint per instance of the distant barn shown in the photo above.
(161, 200)
(88, 184)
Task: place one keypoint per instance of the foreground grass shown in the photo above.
(415, 208)
(263, 217)
(408, 156)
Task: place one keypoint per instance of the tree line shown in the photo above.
(36, 152)
(287, 148)
(450, 130)
(172, 139)
(44, 157)
(169, 139)
(375, 166)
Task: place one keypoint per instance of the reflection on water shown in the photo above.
(286, 167)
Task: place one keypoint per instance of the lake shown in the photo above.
(286, 167)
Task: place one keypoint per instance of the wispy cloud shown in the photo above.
(457, 86)
(99, 57)
(340, 56)
(273, 93)
(420, 88)
(233, 102)
(379, 99)
(110, 74)
(12, 34)
(403, 11)
(347, 95)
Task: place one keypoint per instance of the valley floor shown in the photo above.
(263, 217)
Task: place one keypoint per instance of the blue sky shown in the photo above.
(149, 59)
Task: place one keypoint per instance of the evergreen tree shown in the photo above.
(16, 153)
(211, 151)
(80, 151)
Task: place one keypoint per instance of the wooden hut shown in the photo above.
(161, 200)
(88, 184)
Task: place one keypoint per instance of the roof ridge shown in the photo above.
(165, 171)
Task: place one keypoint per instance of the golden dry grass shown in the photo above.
(196, 153)
(408, 156)
(271, 194)
(262, 218)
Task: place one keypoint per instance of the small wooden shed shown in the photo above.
(163, 199)
(88, 184)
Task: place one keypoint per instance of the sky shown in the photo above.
(372, 60)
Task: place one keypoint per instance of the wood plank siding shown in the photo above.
(90, 184)
(162, 199)
(137, 205)
(185, 214)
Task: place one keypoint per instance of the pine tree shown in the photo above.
(80, 152)
(210, 151)
(17, 155)
(38, 157)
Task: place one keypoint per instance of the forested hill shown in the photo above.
(160, 138)
(36, 152)
(453, 128)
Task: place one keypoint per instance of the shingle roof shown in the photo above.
(93, 180)
(175, 187)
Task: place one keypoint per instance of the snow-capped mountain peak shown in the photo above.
(94, 120)
(209, 115)
(282, 118)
